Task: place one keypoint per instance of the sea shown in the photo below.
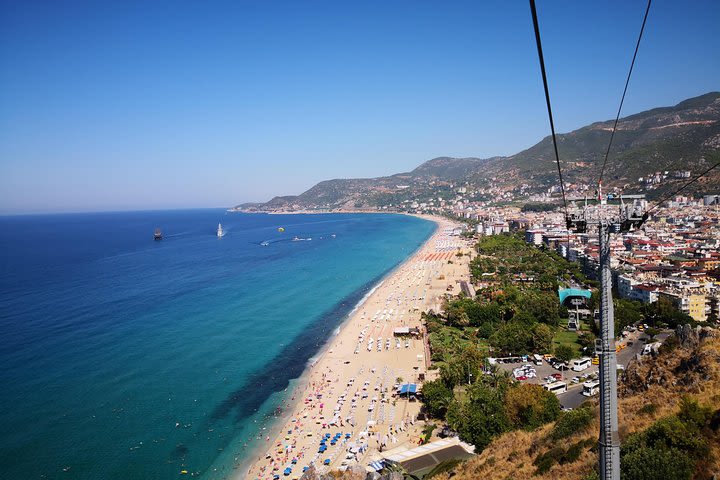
(122, 357)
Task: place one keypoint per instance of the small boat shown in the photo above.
(220, 232)
(158, 234)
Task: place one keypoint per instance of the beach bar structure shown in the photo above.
(406, 331)
(420, 460)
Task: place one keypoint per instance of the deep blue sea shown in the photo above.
(127, 358)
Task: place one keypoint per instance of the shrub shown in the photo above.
(530, 406)
(648, 409)
(545, 461)
(573, 453)
(592, 476)
(656, 463)
(572, 422)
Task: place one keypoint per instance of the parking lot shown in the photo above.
(573, 397)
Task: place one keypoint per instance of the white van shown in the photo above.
(581, 364)
(556, 387)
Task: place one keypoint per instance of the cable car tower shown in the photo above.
(608, 220)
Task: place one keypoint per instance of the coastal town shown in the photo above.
(363, 409)
(676, 255)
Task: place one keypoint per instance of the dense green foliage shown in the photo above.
(517, 312)
(530, 406)
(627, 312)
(515, 315)
(564, 353)
(663, 312)
(572, 422)
(670, 447)
(657, 314)
(437, 397)
(495, 404)
(538, 207)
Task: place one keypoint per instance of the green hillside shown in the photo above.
(684, 137)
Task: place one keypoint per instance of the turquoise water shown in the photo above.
(129, 358)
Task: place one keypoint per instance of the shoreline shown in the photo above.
(333, 350)
(301, 382)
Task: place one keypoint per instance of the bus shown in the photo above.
(581, 364)
(590, 388)
(556, 387)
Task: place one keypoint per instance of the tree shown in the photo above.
(512, 337)
(530, 406)
(453, 372)
(543, 306)
(542, 337)
(627, 312)
(564, 352)
(455, 315)
(479, 417)
(648, 463)
(663, 311)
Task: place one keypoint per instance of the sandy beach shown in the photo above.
(348, 396)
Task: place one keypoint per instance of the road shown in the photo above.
(573, 397)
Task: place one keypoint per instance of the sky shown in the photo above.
(150, 105)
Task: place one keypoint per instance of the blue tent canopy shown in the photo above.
(565, 293)
(408, 388)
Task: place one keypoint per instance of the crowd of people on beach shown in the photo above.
(349, 410)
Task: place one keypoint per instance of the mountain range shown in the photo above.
(652, 153)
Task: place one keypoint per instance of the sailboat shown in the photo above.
(220, 232)
(158, 234)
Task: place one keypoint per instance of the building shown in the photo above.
(693, 304)
(534, 236)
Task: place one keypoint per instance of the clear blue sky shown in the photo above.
(166, 104)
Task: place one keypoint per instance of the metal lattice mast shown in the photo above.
(609, 441)
(607, 221)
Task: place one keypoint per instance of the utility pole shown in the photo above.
(607, 222)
